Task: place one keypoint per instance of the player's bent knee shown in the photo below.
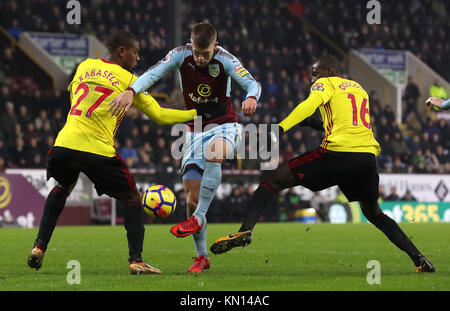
(67, 190)
(372, 211)
(132, 196)
(273, 182)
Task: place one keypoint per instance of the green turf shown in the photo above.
(282, 256)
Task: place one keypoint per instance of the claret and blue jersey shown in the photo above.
(198, 85)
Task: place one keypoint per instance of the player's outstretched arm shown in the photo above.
(238, 73)
(303, 110)
(163, 116)
(437, 103)
(151, 76)
(300, 115)
(150, 107)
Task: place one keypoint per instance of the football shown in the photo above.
(159, 202)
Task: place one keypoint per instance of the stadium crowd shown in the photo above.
(272, 43)
(419, 26)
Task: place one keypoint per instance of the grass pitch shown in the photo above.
(282, 257)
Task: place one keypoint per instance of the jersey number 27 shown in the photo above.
(104, 91)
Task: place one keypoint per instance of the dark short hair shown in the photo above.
(330, 62)
(203, 35)
(120, 38)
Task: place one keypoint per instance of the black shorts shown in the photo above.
(109, 174)
(355, 173)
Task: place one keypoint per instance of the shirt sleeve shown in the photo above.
(445, 104)
(150, 107)
(238, 73)
(302, 111)
(171, 61)
(323, 88)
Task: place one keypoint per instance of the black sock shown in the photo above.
(54, 205)
(262, 197)
(134, 224)
(394, 233)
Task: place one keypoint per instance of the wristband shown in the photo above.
(131, 89)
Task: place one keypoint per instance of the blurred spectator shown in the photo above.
(4, 152)
(166, 172)
(145, 161)
(436, 90)
(411, 97)
(432, 162)
(8, 120)
(37, 161)
(399, 147)
(57, 120)
(408, 196)
(3, 165)
(442, 157)
(129, 153)
(318, 202)
(419, 161)
(30, 131)
(24, 117)
(7, 64)
(289, 203)
(180, 210)
(398, 166)
(426, 141)
(382, 193)
(393, 196)
(414, 143)
(19, 154)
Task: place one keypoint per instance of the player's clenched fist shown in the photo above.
(249, 106)
(123, 101)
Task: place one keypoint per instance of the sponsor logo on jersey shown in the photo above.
(241, 71)
(214, 70)
(317, 87)
(201, 100)
(204, 90)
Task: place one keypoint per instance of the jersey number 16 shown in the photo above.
(362, 113)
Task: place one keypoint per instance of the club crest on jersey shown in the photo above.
(214, 70)
(317, 87)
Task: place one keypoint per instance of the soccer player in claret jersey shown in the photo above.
(346, 158)
(205, 71)
(86, 144)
